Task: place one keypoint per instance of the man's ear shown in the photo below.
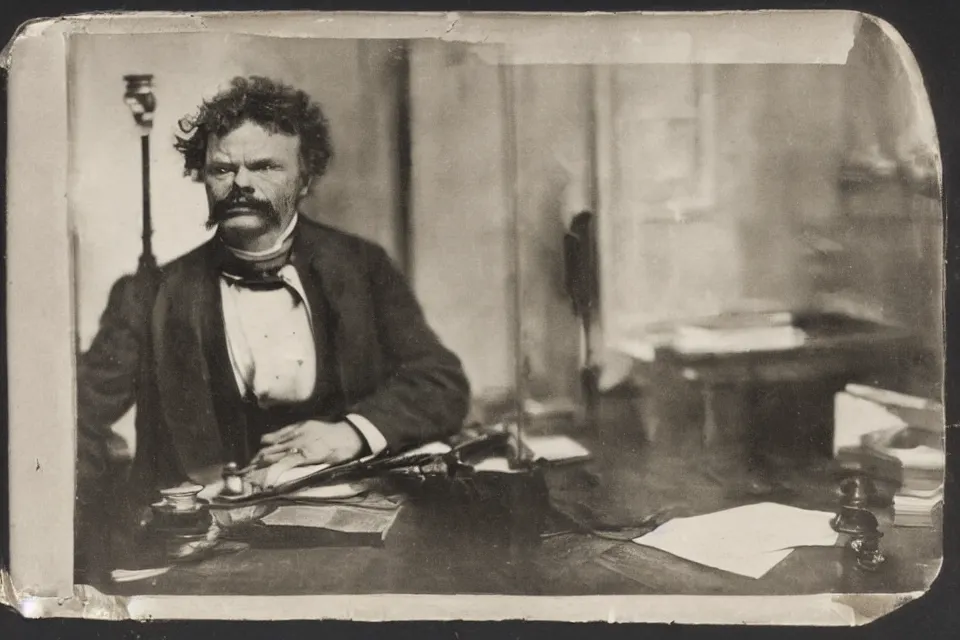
(305, 187)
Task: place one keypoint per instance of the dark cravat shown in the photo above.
(262, 275)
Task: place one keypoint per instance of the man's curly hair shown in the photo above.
(273, 105)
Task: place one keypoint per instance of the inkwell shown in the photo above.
(857, 521)
(180, 524)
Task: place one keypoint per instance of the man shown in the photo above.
(279, 340)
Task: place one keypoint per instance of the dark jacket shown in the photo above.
(161, 346)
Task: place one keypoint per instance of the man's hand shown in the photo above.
(311, 442)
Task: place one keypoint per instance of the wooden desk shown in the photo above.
(838, 349)
(457, 548)
(702, 485)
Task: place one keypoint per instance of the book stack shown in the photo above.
(739, 332)
(917, 511)
(896, 438)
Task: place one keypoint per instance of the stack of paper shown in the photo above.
(748, 540)
(860, 410)
(898, 438)
(555, 448)
(739, 332)
(916, 511)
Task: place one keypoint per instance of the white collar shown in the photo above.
(276, 249)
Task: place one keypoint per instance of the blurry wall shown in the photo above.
(777, 227)
(713, 172)
(463, 197)
(883, 258)
(779, 146)
(460, 222)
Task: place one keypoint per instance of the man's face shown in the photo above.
(253, 179)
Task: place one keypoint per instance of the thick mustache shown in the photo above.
(222, 208)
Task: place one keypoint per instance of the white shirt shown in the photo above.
(270, 340)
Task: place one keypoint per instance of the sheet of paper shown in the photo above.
(754, 566)
(429, 448)
(329, 492)
(132, 575)
(642, 350)
(748, 540)
(359, 520)
(555, 448)
(343, 518)
(855, 417)
(495, 465)
(915, 411)
(554, 407)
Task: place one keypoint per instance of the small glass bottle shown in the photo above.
(232, 480)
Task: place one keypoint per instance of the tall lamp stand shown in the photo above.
(139, 97)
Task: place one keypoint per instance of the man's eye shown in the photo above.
(220, 171)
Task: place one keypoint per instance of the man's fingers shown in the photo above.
(281, 435)
(275, 449)
(268, 459)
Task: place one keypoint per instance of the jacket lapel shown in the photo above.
(341, 279)
(188, 303)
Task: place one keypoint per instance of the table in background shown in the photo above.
(838, 350)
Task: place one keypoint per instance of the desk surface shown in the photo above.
(454, 548)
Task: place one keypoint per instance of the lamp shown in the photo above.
(142, 103)
(139, 97)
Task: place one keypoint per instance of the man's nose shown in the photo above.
(242, 180)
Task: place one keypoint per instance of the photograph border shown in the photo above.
(41, 350)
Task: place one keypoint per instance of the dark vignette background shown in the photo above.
(931, 29)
